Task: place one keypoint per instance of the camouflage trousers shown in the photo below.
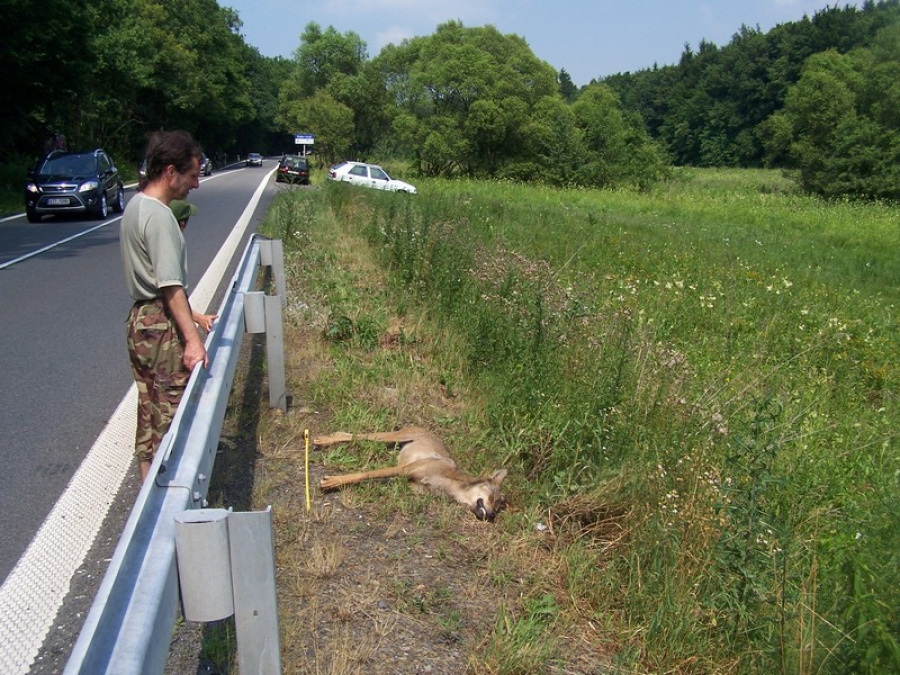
(156, 353)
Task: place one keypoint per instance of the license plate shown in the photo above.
(58, 201)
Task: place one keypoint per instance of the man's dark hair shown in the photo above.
(175, 148)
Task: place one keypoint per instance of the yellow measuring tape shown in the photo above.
(306, 462)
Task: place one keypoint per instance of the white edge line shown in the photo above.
(10, 263)
(34, 591)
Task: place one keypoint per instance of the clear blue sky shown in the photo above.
(589, 38)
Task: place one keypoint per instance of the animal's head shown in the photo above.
(482, 495)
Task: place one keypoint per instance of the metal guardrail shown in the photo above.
(129, 627)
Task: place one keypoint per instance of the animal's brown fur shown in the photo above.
(424, 459)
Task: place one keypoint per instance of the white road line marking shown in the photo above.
(10, 263)
(49, 247)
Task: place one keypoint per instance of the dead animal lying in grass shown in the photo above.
(424, 459)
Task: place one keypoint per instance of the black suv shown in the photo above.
(293, 169)
(74, 182)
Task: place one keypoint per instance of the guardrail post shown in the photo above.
(275, 354)
(253, 580)
(226, 565)
(262, 314)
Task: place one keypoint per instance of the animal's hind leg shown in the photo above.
(403, 435)
(333, 439)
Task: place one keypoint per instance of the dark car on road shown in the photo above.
(293, 169)
(74, 183)
(206, 165)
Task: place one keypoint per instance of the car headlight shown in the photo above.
(88, 186)
(32, 188)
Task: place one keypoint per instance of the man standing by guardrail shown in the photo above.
(164, 343)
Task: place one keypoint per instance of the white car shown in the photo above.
(368, 175)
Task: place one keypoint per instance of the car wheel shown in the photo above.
(103, 207)
(119, 206)
(33, 216)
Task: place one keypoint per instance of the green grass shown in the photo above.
(703, 378)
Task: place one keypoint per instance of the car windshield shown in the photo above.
(69, 165)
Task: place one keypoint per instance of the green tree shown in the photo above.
(492, 131)
(331, 121)
(554, 145)
(688, 105)
(617, 149)
(464, 97)
(840, 122)
(821, 106)
(365, 94)
(475, 102)
(337, 64)
(43, 68)
(323, 56)
(567, 88)
(111, 70)
(263, 130)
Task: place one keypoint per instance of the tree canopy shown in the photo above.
(840, 126)
(108, 72)
(711, 109)
(465, 101)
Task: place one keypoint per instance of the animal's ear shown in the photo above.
(498, 476)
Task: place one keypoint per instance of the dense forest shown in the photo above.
(108, 72)
(818, 97)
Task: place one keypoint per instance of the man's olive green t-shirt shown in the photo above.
(153, 251)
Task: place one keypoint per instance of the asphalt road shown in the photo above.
(63, 358)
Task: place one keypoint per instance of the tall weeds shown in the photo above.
(699, 385)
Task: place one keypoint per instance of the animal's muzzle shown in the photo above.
(483, 513)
